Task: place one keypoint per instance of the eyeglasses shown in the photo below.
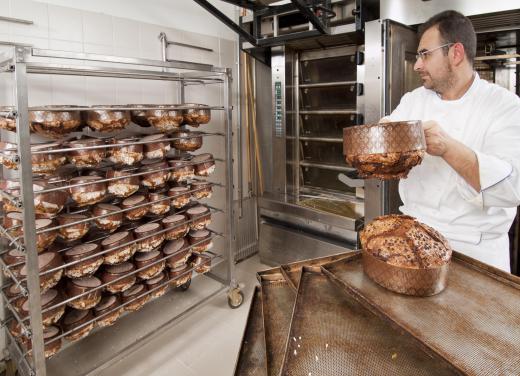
(423, 54)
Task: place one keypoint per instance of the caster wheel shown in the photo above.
(185, 286)
(235, 298)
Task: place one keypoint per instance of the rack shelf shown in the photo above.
(135, 329)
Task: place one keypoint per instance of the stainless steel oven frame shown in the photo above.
(289, 231)
(283, 222)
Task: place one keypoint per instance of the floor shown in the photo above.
(205, 343)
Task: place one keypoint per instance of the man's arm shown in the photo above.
(461, 158)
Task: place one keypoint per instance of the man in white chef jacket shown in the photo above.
(468, 185)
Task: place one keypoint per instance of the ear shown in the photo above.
(457, 53)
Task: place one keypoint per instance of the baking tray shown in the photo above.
(474, 324)
(331, 333)
(277, 305)
(251, 359)
(292, 271)
(278, 290)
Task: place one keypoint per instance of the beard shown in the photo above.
(441, 82)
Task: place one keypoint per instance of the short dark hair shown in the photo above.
(454, 27)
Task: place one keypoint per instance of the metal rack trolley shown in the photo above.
(20, 64)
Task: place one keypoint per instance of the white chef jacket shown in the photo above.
(487, 120)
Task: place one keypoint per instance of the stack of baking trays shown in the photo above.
(326, 317)
(119, 210)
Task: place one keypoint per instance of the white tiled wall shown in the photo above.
(181, 14)
(62, 28)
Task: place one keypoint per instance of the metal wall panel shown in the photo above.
(247, 230)
(412, 12)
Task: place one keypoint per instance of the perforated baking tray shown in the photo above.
(292, 271)
(474, 324)
(277, 304)
(331, 333)
(251, 359)
(278, 291)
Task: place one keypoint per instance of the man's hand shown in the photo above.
(438, 141)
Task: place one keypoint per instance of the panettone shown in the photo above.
(386, 166)
(401, 240)
(384, 150)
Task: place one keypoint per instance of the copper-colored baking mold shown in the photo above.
(385, 150)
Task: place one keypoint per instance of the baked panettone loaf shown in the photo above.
(401, 240)
(386, 166)
(384, 150)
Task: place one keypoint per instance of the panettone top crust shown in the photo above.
(401, 240)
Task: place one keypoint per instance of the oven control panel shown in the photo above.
(278, 110)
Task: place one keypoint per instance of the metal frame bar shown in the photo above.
(328, 84)
(26, 191)
(165, 43)
(16, 20)
(227, 21)
(240, 176)
(320, 27)
(281, 39)
(328, 112)
(306, 11)
(497, 57)
(319, 139)
(202, 74)
(189, 46)
(96, 71)
(244, 4)
(275, 10)
(296, 126)
(327, 167)
(176, 64)
(158, 107)
(230, 218)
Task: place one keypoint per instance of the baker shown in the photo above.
(468, 185)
